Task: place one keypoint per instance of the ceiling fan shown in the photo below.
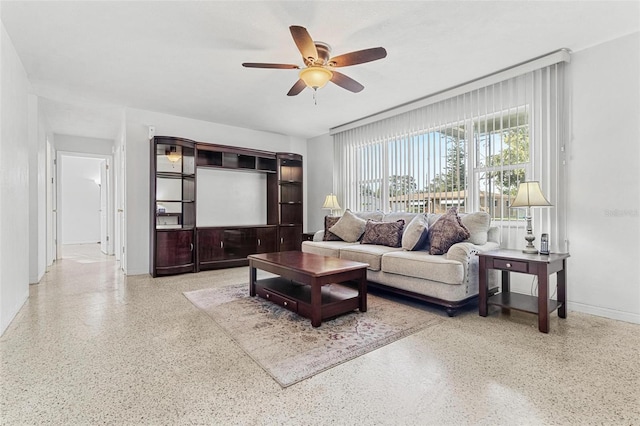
(320, 66)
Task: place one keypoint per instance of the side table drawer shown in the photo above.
(278, 299)
(510, 265)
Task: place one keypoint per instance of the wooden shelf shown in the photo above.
(520, 302)
(229, 157)
(172, 231)
(336, 298)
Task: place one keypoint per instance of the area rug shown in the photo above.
(288, 348)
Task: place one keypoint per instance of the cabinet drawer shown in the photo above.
(510, 265)
(278, 299)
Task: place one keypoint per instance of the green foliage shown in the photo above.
(454, 177)
(401, 185)
(515, 151)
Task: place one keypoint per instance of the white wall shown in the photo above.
(37, 191)
(81, 144)
(14, 182)
(604, 180)
(137, 148)
(79, 206)
(320, 179)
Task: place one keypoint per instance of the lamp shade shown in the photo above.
(315, 77)
(530, 195)
(331, 203)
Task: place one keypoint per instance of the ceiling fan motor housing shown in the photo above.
(324, 53)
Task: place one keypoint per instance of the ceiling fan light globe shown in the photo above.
(315, 77)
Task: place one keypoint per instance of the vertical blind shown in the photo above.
(469, 150)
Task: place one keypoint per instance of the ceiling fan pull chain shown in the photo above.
(315, 100)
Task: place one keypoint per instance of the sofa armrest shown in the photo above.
(462, 251)
(319, 235)
(465, 253)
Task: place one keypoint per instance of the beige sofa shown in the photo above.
(449, 280)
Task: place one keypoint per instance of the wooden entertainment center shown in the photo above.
(186, 237)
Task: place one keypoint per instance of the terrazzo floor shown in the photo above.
(92, 346)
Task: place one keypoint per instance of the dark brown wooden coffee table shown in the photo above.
(309, 284)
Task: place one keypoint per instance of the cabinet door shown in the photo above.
(239, 242)
(174, 248)
(267, 241)
(290, 238)
(210, 246)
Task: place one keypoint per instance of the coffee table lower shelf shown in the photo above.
(337, 299)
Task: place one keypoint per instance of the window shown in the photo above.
(502, 156)
(470, 150)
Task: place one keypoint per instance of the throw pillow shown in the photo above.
(349, 228)
(329, 221)
(447, 231)
(478, 225)
(383, 233)
(416, 233)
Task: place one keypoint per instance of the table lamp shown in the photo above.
(530, 195)
(331, 203)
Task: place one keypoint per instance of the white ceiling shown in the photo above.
(89, 59)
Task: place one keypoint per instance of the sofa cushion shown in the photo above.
(325, 248)
(415, 235)
(377, 215)
(478, 225)
(396, 216)
(371, 254)
(383, 233)
(447, 231)
(329, 221)
(421, 264)
(349, 228)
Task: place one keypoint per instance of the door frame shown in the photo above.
(106, 186)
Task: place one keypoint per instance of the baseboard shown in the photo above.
(132, 272)
(6, 320)
(604, 312)
(35, 280)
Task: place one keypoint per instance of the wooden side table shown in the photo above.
(540, 265)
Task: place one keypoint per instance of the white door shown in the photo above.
(104, 207)
(57, 249)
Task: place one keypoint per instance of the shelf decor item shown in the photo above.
(331, 203)
(530, 195)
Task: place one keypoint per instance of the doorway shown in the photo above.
(84, 202)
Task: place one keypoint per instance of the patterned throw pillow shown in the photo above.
(383, 233)
(447, 231)
(329, 221)
(349, 228)
(416, 235)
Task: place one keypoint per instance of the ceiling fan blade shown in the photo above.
(359, 57)
(277, 66)
(346, 82)
(297, 88)
(305, 43)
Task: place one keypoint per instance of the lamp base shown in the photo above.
(530, 248)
